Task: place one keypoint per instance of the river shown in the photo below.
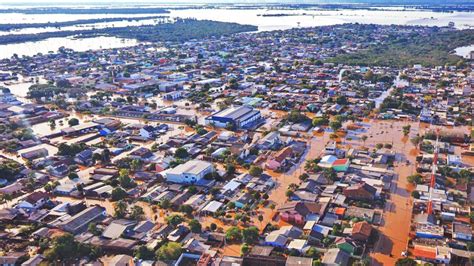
(291, 19)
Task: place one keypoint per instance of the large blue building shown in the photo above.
(238, 117)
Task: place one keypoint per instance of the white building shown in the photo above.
(189, 172)
(238, 117)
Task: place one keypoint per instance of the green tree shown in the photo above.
(415, 194)
(137, 213)
(335, 125)
(73, 176)
(92, 228)
(303, 177)
(125, 181)
(165, 204)
(233, 234)
(66, 249)
(169, 251)
(255, 171)
(186, 209)
(312, 252)
(405, 262)
(181, 153)
(118, 194)
(250, 235)
(320, 121)
(144, 253)
(9, 169)
(195, 226)
(174, 219)
(73, 122)
(120, 209)
(406, 130)
(244, 249)
(415, 179)
(213, 227)
(135, 164)
(230, 168)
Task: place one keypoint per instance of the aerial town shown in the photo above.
(245, 149)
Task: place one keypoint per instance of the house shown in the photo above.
(275, 240)
(35, 154)
(361, 231)
(335, 257)
(345, 244)
(298, 261)
(298, 244)
(121, 260)
(195, 200)
(117, 228)
(190, 172)
(80, 129)
(271, 141)
(299, 212)
(8, 214)
(364, 213)
(34, 261)
(341, 165)
(11, 258)
(12, 189)
(212, 207)
(279, 160)
(79, 222)
(243, 199)
(331, 149)
(428, 230)
(360, 191)
(34, 201)
(141, 153)
(148, 132)
(84, 157)
(462, 231)
(178, 234)
(235, 117)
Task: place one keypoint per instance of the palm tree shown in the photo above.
(364, 138)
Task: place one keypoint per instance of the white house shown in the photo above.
(189, 172)
(147, 132)
(33, 201)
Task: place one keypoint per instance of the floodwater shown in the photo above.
(290, 19)
(395, 227)
(464, 51)
(53, 44)
(312, 18)
(101, 25)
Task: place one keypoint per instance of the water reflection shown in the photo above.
(53, 44)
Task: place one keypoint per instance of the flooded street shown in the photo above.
(395, 227)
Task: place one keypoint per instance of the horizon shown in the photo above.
(180, 2)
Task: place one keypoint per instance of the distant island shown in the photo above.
(79, 11)
(8, 27)
(282, 15)
(181, 30)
